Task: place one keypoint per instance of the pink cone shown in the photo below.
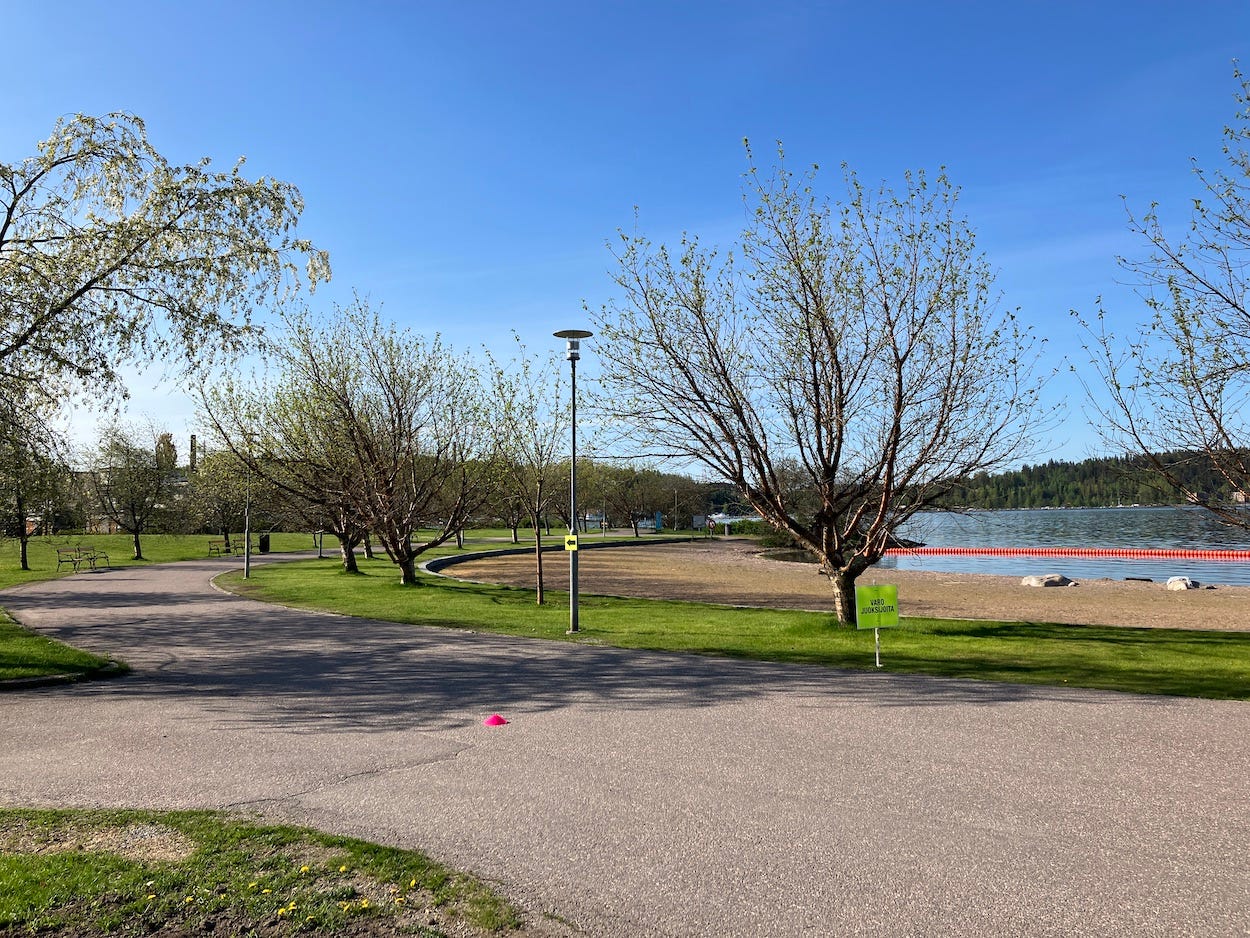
(494, 720)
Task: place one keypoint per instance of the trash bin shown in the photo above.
(263, 543)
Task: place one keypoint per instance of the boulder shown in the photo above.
(1178, 583)
(1048, 579)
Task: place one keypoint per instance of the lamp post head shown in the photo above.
(572, 338)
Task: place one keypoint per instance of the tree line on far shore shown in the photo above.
(1097, 482)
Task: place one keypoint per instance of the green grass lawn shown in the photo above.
(25, 655)
(1153, 661)
(157, 548)
(199, 873)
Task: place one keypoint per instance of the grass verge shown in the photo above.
(199, 873)
(1149, 661)
(26, 656)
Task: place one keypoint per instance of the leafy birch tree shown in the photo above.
(1178, 392)
(843, 370)
(111, 254)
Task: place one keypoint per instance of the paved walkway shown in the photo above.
(642, 794)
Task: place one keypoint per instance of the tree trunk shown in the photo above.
(843, 583)
(460, 538)
(23, 539)
(138, 548)
(408, 571)
(225, 533)
(538, 565)
(368, 547)
(516, 537)
(348, 553)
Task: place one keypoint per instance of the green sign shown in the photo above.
(876, 607)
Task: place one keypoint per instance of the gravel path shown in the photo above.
(639, 794)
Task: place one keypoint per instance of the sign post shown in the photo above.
(876, 608)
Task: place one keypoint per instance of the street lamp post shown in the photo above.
(572, 338)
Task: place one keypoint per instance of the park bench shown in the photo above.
(219, 548)
(77, 556)
(93, 557)
(68, 556)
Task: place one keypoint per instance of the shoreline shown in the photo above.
(733, 572)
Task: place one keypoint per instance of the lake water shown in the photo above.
(1150, 528)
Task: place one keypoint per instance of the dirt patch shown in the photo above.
(138, 842)
(733, 572)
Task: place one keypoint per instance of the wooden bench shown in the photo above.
(68, 555)
(216, 548)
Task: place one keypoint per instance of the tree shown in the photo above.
(293, 442)
(529, 433)
(110, 254)
(1179, 394)
(223, 491)
(628, 492)
(33, 474)
(382, 428)
(129, 485)
(844, 378)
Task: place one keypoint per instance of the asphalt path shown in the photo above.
(637, 794)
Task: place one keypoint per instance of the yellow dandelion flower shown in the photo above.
(399, 900)
(303, 869)
(413, 884)
(364, 903)
(252, 885)
(343, 868)
(281, 912)
(189, 899)
(151, 897)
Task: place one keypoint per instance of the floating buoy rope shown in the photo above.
(1127, 553)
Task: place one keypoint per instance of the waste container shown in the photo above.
(263, 543)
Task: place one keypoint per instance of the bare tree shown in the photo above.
(1179, 391)
(530, 421)
(844, 378)
(292, 440)
(393, 422)
(128, 482)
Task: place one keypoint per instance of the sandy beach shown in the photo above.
(732, 571)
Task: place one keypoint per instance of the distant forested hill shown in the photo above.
(1090, 483)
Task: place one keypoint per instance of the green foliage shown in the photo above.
(111, 254)
(85, 872)
(1090, 483)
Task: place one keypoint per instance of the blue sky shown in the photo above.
(465, 163)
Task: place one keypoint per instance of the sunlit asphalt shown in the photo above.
(636, 794)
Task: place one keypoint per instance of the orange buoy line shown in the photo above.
(1127, 553)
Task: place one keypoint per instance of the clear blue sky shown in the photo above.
(465, 163)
